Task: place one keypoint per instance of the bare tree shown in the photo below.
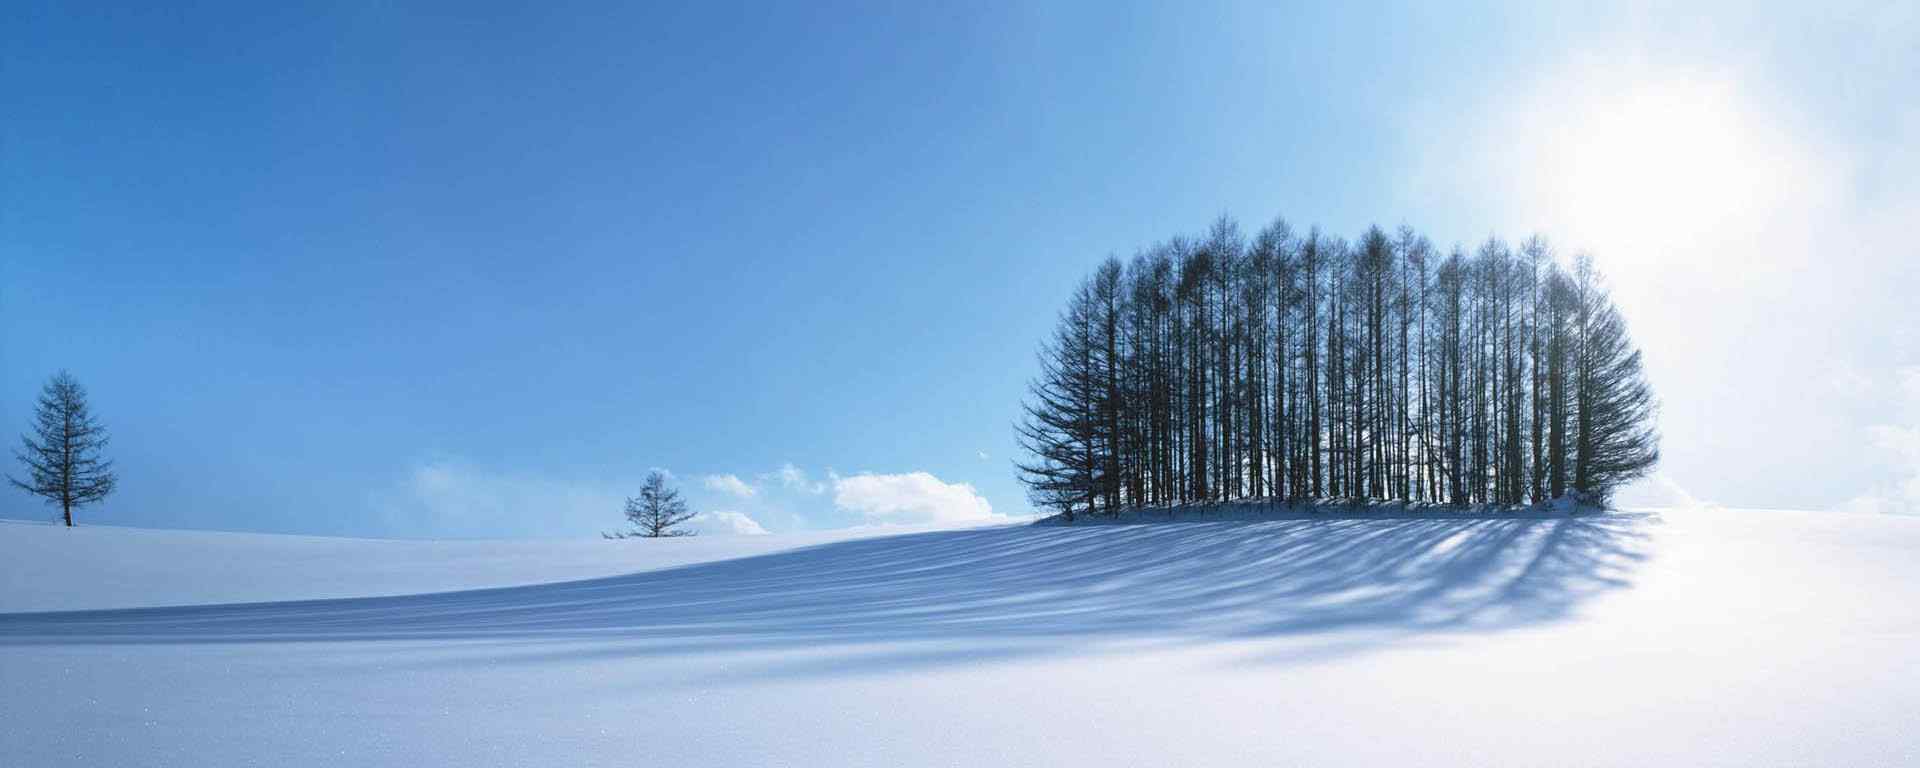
(63, 455)
(1614, 439)
(1061, 426)
(657, 513)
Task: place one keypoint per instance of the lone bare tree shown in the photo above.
(657, 513)
(62, 456)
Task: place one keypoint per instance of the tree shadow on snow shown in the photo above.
(972, 594)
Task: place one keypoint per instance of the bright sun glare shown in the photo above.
(1664, 172)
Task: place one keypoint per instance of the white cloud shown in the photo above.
(731, 485)
(913, 497)
(983, 455)
(725, 523)
(1899, 449)
(794, 478)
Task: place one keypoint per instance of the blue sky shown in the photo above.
(473, 269)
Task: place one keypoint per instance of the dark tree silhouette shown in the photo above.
(1061, 421)
(1309, 367)
(1614, 436)
(63, 454)
(658, 512)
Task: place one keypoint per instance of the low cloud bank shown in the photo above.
(910, 498)
(731, 485)
(725, 523)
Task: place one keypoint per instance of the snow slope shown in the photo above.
(1687, 638)
(49, 568)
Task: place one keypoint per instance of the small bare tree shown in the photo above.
(657, 513)
(62, 456)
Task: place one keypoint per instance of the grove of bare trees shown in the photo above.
(1299, 366)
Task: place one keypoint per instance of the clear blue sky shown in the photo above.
(472, 269)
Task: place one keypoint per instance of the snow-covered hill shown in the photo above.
(50, 568)
(1684, 638)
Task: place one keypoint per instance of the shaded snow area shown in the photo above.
(1686, 638)
(48, 568)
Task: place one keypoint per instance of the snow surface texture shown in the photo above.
(1689, 638)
